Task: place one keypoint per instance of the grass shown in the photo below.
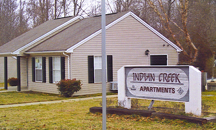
(2, 89)
(1, 84)
(178, 108)
(75, 115)
(29, 96)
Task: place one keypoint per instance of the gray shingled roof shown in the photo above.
(68, 37)
(31, 35)
(74, 34)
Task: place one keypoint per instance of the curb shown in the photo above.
(147, 113)
(120, 111)
(180, 117)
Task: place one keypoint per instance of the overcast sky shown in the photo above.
(89, 3)
(87, 6)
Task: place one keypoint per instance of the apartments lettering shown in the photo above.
(162, 78)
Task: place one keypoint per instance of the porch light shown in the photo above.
(147, 52)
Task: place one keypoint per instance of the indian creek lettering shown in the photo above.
(164, 78)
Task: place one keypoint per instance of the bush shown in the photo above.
(13, 81)
(68, 87)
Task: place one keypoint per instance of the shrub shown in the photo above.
(68, 87)
(13, 81)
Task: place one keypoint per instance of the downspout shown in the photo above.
(14, 57)
(27, 72)
(178, 58)
(68, 57)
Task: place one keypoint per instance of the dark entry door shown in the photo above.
(158, 59)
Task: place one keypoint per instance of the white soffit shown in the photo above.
(70, 50)
(46, 35)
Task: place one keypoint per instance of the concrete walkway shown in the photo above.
(51, 102)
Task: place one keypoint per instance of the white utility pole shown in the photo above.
(103, 49)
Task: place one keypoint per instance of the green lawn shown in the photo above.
(1, 85)
(27, 97)
(75, 115)
(17, 97)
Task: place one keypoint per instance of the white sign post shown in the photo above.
(103, 51)
(172, 83)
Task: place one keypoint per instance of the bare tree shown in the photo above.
(13, 21)
(77, 7)
(202, 26)
(8, 20)
(95, 9)
(43, 10)
(64, 7)
(39, 11)
(23, 20)
(60, 7)
(125, 5)
(191, 51)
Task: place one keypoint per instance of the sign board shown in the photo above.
(173, 83)
(158, 82)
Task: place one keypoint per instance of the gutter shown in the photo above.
(68, 57)
(43, 52)
(7, 54)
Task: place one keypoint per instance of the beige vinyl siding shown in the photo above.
(126, 42)
(44, 87)
(12, 68)
(23, 71)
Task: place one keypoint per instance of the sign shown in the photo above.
(163, 83)
(173, 83)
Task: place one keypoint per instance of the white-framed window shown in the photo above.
(56, 68)
(38, 69)
(97, 69)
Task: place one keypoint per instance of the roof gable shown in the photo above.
(74, 34)
(70, 50)
(156, 32)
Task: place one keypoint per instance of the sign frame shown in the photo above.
(193, 95)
